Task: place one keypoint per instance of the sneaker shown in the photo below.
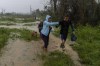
(62, 45)
(63, 49)
(42, 47)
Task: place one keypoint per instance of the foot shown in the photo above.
(62, 45)
(42, 47)
(45, 50)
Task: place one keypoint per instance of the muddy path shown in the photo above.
(19, 52)
(68, 50)
(22, 53)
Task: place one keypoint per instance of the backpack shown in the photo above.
(40, 26)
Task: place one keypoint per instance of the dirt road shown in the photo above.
(22, 53)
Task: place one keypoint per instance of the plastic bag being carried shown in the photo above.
(73, 37)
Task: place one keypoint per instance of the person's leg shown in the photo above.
(46, 43)
(63, 38)
(62, 41)
(45, 40)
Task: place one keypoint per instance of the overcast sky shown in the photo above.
(20, 6)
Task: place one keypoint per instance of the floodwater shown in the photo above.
(22, 25)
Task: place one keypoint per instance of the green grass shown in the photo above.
(4, 35)
(28, 20)
(29, 24)
(57, 59)
(56, 32)
(27, 35)
(7, 19)
(23, 34)
(88, 45)
(8, 24)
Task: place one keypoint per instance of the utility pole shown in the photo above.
(2, 12)
(30, 10)
(98, 1)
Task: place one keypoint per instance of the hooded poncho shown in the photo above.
(46, 24)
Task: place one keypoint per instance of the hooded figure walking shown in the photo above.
(46, 31)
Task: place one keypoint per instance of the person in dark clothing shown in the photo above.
(64, 29)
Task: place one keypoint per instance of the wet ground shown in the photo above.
(22, 53)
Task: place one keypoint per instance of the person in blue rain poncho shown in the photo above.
(46, 31)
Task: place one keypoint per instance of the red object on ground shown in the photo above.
(34, 33)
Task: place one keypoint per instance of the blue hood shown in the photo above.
(47, 17)
(46, 30)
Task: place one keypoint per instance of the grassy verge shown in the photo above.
(27, 35)
(23, 34)
(56, 32)
(4, 35)
(29, 24)
(57, 59)
(88, 45)
(7, 19)
(8, 24)
(29, 20)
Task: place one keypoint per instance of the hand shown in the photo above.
(50, 28)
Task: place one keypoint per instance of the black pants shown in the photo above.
(45, 40)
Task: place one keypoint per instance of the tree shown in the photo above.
(81, 11)
(55, 6)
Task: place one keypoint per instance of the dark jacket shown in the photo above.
(65, 26)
